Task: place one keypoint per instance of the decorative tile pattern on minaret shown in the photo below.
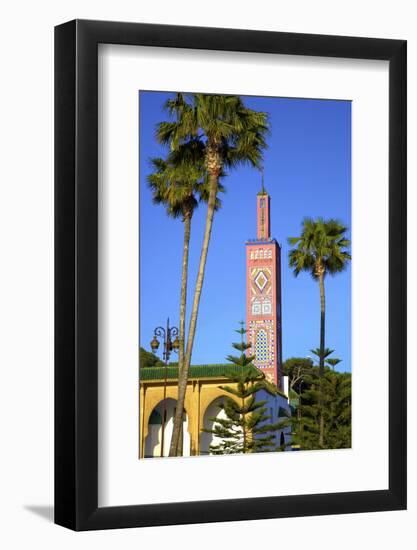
(263, 294)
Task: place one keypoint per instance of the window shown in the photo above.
(256, 307)
(261, 348)
(267, 307)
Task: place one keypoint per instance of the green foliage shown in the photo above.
(223, 125)
(148, 359)
(333, 362)
(326, 352)
(336, 411)
(180, 181)
(296, 368)
(292, 363)
(320, 249)
(246, 427)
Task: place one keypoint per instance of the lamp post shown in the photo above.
(170, 343)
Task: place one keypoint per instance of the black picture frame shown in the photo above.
(76, 272)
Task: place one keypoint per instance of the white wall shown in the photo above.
(153, 441)
(26, 274)
(273, 405)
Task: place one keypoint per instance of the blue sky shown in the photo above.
(307, 173)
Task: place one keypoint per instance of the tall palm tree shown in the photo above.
(321, 250)
(174, 187)
(179, 183)
(231, 134)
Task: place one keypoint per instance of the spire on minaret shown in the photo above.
(262, 213)
(262, 191)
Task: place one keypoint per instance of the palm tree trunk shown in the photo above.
(183, 304)
(322, 347)
(183, 307)
(183, 374)
(184, 281)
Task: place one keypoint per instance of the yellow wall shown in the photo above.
(199, 395)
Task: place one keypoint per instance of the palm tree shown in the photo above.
(231, 134)
(321, 249)
(179, 183)
(174, 187)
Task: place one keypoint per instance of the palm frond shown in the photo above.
(322, 242)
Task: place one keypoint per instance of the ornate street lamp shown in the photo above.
(170, 343)
(154, 344)
(167, 334)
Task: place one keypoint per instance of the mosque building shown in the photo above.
(158, 385)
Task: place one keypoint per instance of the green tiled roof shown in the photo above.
(196, 371)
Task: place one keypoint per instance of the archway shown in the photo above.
(213, 411)
(155, 438)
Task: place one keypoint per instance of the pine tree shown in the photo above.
(333, 362)
(246, 427)
(338, 398)
(336, 411)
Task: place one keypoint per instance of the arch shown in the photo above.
(213, 410)
(156, 437)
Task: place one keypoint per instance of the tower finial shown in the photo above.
(263, 190)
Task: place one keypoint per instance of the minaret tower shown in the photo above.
(263, 294)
